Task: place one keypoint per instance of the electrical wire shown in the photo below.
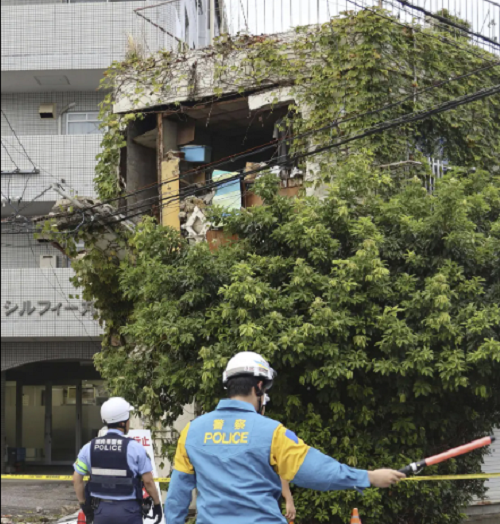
(441, 38)
(271, 145)
(381, 127)
(274, 143)
(255, 151)
(439, 25)
(17, 138)
(448, 22)
(10, 156)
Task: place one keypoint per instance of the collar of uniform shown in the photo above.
(237, 405)
(117, 431)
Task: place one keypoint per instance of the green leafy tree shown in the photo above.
(378, 306)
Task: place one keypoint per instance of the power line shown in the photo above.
(274, 143)
(9, 155)
(409, 118)
(448, 22)
(382, 127)
(436, 24)
(17, 138)
(441, 38)
(36, 170)
(271, 144)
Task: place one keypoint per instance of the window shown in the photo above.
(83, 124)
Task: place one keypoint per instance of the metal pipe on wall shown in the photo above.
(212, 22)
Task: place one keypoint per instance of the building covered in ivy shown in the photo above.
(200, 128)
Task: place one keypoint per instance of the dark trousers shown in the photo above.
(119, 512)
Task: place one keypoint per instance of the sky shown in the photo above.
(271, 16)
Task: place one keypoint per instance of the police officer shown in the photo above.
(119, 467)
(235, 457)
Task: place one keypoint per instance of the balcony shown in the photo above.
(37, 303)
(59, 157)
(64, 38)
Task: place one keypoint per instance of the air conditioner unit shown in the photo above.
(48, 111)
(49, 261)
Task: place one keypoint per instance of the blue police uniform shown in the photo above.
(235, 458)
(115, 464)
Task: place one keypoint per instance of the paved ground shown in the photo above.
(22, 499)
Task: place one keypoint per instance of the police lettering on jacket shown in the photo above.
(108, 444)
(225, 437)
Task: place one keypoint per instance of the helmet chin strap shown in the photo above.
(260, 395)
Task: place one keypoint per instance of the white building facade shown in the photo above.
(54, 54)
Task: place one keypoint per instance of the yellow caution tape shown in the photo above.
(37, 477)
(475, 476)
(63, 478)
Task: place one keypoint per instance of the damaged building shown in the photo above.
(187, 143)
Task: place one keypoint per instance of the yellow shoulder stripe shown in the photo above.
(287, 453)
(182, 462)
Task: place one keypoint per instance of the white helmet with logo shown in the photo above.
(251, 364)
(116, 410)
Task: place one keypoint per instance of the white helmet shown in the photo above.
(116, 410)
(251, 364)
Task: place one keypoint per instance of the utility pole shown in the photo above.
(212, 22)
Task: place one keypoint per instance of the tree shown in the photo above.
(378, 306)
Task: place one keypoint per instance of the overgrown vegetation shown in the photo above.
(341, 70)
(378, 305)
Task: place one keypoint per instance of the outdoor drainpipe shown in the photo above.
(59, 120)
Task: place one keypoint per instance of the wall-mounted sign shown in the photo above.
(45, 307)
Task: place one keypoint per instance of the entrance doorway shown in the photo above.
(50, 422)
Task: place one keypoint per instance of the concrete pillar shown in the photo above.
(79, 414)
(142, 169)
(48, 422)
(3, 422)
(19, 414)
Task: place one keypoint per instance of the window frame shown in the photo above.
(70, 121)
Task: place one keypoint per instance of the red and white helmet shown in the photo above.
(250, 364)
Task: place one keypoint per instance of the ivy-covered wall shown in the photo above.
(342, 71)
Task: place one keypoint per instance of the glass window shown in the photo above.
(83, 123)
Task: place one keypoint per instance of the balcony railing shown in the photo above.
(259, 17)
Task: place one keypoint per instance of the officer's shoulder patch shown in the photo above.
(292, 436)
